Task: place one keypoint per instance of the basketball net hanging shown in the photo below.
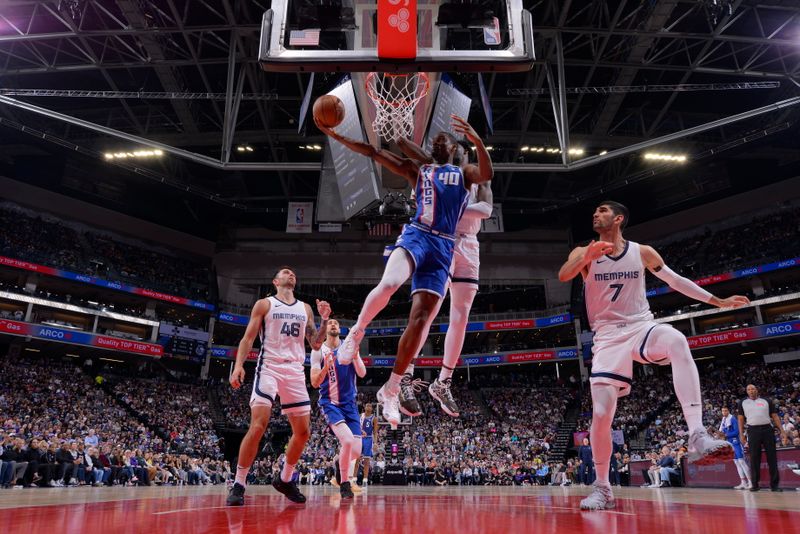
(395, 97)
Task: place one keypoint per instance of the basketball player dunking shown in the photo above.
(424, 249)
(281, 321)
(369, 436)
(613, 271)
(463, 287)
(337, 399)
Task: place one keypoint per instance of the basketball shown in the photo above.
(329, 110)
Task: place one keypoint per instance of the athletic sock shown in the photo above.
(445, 373)
(287, 472)
(352, 471)
(410, 369)
(241, 474)
(392, 386)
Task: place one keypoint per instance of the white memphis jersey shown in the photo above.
(283, 332)
(615, 290)
(470, 225)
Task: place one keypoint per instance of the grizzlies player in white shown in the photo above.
(613, 271)
(282, 322)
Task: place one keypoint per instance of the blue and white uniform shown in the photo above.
(337, 393)
(430, 235)
(730, 427)
(368, 425)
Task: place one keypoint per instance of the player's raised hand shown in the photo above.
(324, 309)
(597, 249)
(464, 128)
(736, 301)
(324, 129)
(237, 377)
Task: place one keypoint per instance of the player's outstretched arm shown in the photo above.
(401, 166)
(580, 258)
(316, 337)
(655, 264)
(361, 369)
(413, 151)
(319, 372)
(482, 209)
(483, 171)
(260, 311)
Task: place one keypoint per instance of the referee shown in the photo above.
(759, 413)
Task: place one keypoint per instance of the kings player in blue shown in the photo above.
(424, 250)
(729, 427)
(337, 400)
(369, 435)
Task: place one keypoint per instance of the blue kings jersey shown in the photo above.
(442, 196)
(367, 423)
(339, 387)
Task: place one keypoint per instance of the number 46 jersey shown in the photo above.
(283, 332)
(614, 290)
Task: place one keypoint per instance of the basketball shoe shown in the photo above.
(705, 450)
(236, 495)
(409, 386)
(390, 404)
(600, 499)
(289, 489)
(440, 390)
(349, 348)
(345, 491)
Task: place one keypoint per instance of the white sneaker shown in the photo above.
(600, 499)
(391, 407)
(705, 450)
(742, 485)
(349, 347)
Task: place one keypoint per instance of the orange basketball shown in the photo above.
(329, 110)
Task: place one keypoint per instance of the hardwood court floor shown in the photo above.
(396, 509)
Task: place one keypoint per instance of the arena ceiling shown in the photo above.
(632, 71)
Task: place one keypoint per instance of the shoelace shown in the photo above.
(445, 389)
(410, 387)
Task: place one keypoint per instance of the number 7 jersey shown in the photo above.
(614, 289)
(283, 332)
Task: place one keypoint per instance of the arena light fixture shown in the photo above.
(525, 149)
(672, 158)
(603, 153)
(32, 350)
(244, 148)
(135, 154)
(576, 151)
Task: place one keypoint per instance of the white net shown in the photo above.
(395, 97)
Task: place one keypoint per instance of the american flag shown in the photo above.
(381, 229)
(304, 38)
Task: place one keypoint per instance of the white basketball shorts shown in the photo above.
(466, 260)
(615, 349)
(286, 380)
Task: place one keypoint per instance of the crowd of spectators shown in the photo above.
(724, 384)
(717, 252)
(179, 411)
(58, 427)
(54, 243)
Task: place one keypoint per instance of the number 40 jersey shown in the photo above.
(614, 289)
(283, 332)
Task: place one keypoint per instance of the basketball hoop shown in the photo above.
(395, 97)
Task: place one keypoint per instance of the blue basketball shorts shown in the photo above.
(432, 256)
(347, 413)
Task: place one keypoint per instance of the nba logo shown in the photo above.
(491, 35)
(299, 216)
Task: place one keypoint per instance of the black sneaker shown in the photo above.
(236, 495)
(777, 490)
(409, 404)
(289, 489)
(440, 390)
(345, 491)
